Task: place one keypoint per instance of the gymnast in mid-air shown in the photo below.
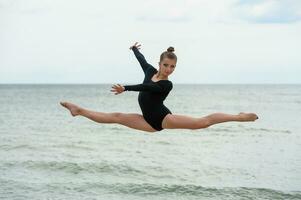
(152, 93)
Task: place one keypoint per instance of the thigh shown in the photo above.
(173, 121)
(135, 121)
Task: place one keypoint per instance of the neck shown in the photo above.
(161, 77)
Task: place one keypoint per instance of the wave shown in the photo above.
(240, 129)
(268, 130)
(21, 146)
(196, 190)
(160, 190)
(26, 146)
(75, 168)
(163, 143)
(73, 146)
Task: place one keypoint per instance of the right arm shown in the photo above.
(151, 87)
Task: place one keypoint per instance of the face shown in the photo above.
(167, 66)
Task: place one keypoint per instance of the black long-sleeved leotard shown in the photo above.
(151, 94)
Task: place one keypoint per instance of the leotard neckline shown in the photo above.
(158, 80)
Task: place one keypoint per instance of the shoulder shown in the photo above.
(167, 84)
(151, 68)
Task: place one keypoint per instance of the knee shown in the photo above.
(204, 122)
(117, 117)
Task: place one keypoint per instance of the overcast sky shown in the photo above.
(87, 41)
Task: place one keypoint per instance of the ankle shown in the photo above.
(80, 111)
(239, 117)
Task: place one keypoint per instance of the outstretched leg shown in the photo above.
(172, 121)
(132, 120)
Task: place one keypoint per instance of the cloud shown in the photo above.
(268, 11)
(215, 11)
(166, 11)
(163, 18)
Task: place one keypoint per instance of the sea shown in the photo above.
(45, 153)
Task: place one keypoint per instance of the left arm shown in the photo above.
(141, 59)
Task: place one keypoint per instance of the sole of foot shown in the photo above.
(74, 109)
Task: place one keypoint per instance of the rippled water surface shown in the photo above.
(47, 154)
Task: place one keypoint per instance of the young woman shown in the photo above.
(152, 92)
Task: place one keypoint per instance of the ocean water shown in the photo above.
(48, 154)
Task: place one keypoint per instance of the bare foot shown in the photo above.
(74, 109)
(245, 117)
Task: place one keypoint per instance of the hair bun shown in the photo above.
(171, 49)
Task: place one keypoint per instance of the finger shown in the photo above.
(139, 45)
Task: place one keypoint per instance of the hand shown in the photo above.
(135, 45)
(118, 89)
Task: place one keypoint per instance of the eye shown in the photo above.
(165, 64)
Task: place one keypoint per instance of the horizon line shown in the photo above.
(140, 83)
